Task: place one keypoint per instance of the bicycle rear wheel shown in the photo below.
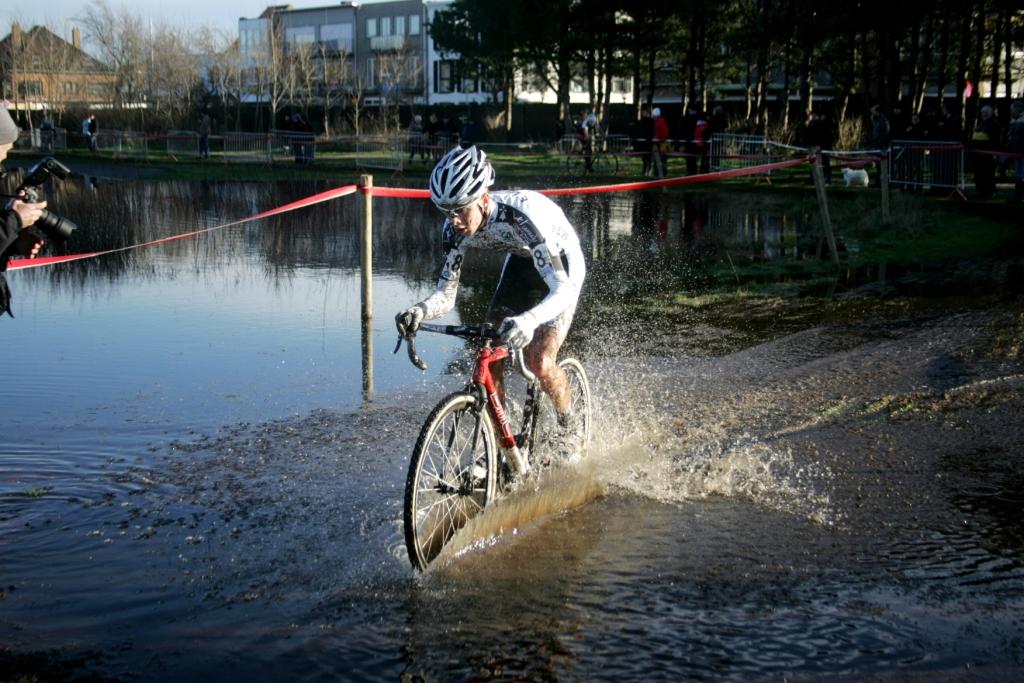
(580, 401)
(446, 486)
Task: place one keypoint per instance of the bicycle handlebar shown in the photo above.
(482, 331)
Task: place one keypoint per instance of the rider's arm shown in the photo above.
(442, 299)
(556, 254)
(563, 291)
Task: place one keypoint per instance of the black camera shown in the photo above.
(56, 228)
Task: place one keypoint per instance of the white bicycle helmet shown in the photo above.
(460, 178)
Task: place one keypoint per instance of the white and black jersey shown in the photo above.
(521, 223)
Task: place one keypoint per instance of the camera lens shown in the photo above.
(56, 228)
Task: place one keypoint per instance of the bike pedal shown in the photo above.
(521, 440)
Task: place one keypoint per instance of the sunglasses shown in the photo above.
(461, 212)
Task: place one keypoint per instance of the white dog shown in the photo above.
(855, 176)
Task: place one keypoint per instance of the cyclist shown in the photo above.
(590, 129)
(543, 272)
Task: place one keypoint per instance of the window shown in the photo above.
(252, 36)
(414, 25)
(444, 79)
(300, 35)
(371, 27)
(399, 26)
(371, 72)
(31, 88)
(385, 26)
(97, 90)
(336, 37)
(68, 88)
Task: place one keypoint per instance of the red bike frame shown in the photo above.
(482, 377)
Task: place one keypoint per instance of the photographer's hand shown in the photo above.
(27, 245)
(28, 214)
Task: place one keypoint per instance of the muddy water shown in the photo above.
(193, 487)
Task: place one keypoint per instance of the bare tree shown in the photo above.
(398, 72)
(120, 39)
(172, 75)
(266, 70)
(223, 68)
(302, 75)
(337, 79)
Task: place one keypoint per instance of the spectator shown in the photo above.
(416, 138)
(915, 130)
(89, 129)
(47, 132)
(432, 130)
(984, 141)
(1015, 145)
(660, 143)
(944, 127)
(818, 136)
(467, 131)
(878, 137)
(716, 124)
(204, 136)
(301, 138)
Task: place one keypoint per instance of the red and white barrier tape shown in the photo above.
(18, 264)
(684, 180)
(406, 193)
(995, 153)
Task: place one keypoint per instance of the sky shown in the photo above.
(59, 15)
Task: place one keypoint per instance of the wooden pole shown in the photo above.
(366, 289)
(883, 181)
(826, 219)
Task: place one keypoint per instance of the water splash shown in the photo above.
(557, 491)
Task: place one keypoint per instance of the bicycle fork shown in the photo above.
(508, 439)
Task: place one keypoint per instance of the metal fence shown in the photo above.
(388, 152)
(182, 143)
(46, 141)
(918, 163)
(121, 143)
(730, 151)
(247, 147)
(617, 144)
(288, 144)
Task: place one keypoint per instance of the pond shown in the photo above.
(200, 479)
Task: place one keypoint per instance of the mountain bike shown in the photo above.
(476, 446)
(602, 161)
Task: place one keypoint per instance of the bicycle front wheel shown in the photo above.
(451, 476)
(575, 165)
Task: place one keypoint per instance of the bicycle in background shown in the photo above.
(576, 153)
(470, 451)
